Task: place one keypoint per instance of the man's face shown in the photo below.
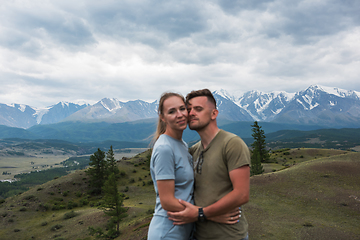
(200, 112)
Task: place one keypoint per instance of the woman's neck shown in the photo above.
(174, 134)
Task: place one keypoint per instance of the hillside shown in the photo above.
(317, 197)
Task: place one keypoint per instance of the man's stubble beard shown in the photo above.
(199, 127)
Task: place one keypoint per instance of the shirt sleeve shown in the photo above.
(237, 153)
(164, 163)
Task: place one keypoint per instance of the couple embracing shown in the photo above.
(199, 191)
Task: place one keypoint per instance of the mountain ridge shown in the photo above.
(316, 105)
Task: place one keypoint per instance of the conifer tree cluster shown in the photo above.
(104, 174)
(259, 152)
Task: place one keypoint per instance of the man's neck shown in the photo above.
(208, 134)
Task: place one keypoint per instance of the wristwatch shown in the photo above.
(201, 217)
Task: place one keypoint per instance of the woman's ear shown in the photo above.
(162, 118)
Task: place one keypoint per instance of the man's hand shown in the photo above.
(188, 215)
(231, 217)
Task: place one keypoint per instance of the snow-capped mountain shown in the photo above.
(316, 105)
(323, 106)
(24, 116)
(113, 110)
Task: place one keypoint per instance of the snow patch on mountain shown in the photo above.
(39, 113)
(111, 104)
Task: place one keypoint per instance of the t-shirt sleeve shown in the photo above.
(237, 153)
(164, 163)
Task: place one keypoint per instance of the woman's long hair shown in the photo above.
(161, 126)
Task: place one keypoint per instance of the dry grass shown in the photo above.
(313, 199)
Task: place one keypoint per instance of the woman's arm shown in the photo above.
(166, 189)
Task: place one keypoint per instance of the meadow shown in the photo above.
(304, 194)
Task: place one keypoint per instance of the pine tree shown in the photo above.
(111, 163)
(97, 171)
(112, 206)
(259, 144)
(256, 167)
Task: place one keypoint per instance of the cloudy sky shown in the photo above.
(85, 50)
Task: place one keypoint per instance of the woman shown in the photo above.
(171, 169)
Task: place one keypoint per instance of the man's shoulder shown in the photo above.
(231, 139)
(227, 136)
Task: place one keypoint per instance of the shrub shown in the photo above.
(23, 209)
(44, 223)
(71, 205)
(69, 215)
(44, 207)
(78, 194)
(56, 227)
(84, 202)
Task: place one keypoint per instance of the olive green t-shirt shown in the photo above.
(225, 152)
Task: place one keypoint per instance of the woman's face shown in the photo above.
(175, 114)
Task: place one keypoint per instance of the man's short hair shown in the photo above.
(201, 93)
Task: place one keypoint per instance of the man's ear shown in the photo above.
(214, 114)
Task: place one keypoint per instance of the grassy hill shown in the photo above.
(317, 197)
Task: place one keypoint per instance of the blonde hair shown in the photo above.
(161, 125)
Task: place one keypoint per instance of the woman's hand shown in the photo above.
(228, 218)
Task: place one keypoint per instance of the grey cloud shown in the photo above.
(44, 24)
(307, 23)
(148, 22)
(234, 7)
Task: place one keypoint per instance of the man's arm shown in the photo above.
(240, 179)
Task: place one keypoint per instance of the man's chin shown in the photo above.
(194, 127)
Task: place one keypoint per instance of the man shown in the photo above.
(222, 173)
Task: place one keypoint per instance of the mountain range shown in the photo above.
(316, 105)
